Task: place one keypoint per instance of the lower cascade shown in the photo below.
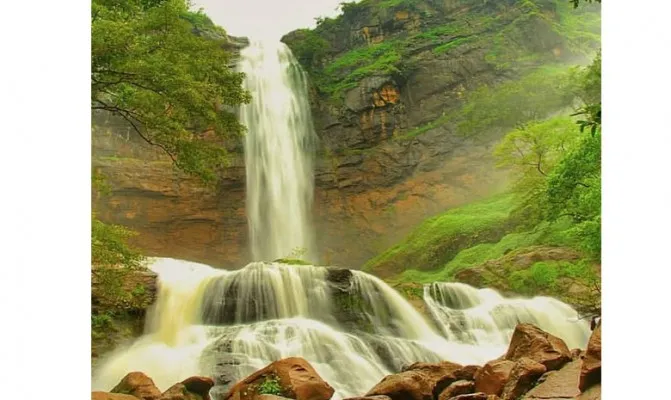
(352, 327)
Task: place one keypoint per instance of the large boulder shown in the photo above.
(522, 378)
(562, 384)
(492, 377)
(457, 388)
(193, 388)
(532, 342)
(590, 372)
(111, 396)
(467, 373)
(419, 381)
(139, 385)
(291, 377)
(472, 396)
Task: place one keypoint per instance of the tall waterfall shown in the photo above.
(278, 152)
(352, 327)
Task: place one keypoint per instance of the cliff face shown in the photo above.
(388, 80)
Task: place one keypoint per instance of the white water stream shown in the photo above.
(228, 324)
(278, 152)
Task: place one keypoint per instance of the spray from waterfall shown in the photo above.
(278, 152)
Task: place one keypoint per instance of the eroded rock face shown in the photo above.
(138, 386)
(531, 342)
(296, 377)
(590, 373)
(557, 384)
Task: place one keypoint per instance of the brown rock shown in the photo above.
(369, 398)
(297, 378)
(419, 381)
(492, 377)
(593, 393)
(531, 342)
(111, 396)
(557, 384)
(471, 396)
(467, 373)
(199, 385)
(139, 385)
(522, 377)
(590, 373)
(576, 354)
(457, 388)
(180, 392)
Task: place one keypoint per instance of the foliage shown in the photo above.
(589, 92)
(310, 49)
(532, 97)
(576, 3)
(437, 240)
(109, 246)
(172, 85)
(270, 385)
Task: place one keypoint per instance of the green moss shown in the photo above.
(444, 48)
(439, 239)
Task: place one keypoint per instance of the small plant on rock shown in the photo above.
(270, 385)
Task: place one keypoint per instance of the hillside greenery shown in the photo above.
(513, 36)
(554, 200)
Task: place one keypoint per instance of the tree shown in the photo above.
(589, 91)
(576, 3)
(162, 68)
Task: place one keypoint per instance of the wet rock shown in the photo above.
(179, 392)
(369, 398)
(139, 385)
(590, 373)
(593, 393)
(457, 388)
(111, 396)
(522, 378)
(199, 385)
(532, 342)
(576, 354)
(492, 377)
(297, 380)
(417, 381)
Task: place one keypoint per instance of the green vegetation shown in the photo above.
(270, 385)
(153, 65)
(554, 203)
(292, 261)
(440, 238)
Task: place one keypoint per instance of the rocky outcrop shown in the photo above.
(590, 373)
(457, 388)
(522, 377)
(416, 382)
(531, 342)
(492, 377)
(138, 386)
(562, 384)
(293, 378)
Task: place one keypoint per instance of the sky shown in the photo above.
(266, 19)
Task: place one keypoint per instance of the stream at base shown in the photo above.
(352, 327)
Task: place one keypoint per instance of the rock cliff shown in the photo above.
(389, 80)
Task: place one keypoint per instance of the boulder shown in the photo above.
(296, 379)
(111, 396)
(179, 391)
(522, 378)
(532, 342)
(199, 385)
(419, 381)
(557, 384)
(590, 373)
(467, 373)
(593, 393)
(139, 385)
(457, 388)
(369, 398)
(492, 377)
(576, 354)
(471, 396)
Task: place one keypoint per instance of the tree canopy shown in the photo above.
(162, 68)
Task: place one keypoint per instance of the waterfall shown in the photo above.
(278, 152)
(352, 327)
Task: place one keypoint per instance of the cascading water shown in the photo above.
(278, 152)
(352, 327)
